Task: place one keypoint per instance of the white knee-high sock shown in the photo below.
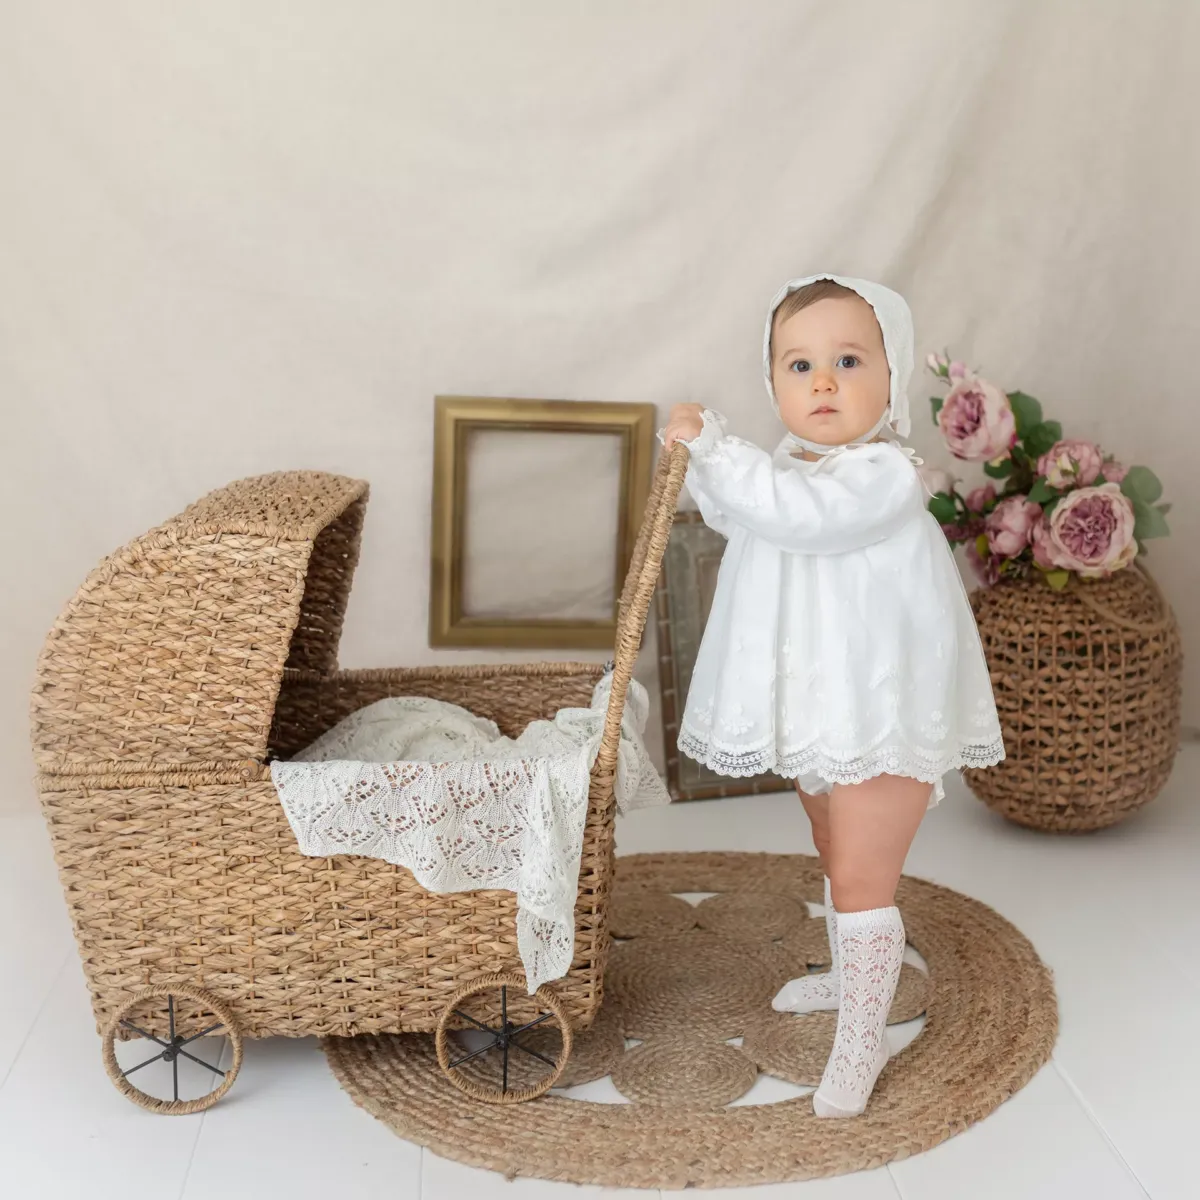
(872, 949)
(814, 993)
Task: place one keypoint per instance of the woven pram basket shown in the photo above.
(1087, 685)
(189, 660)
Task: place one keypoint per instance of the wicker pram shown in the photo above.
(186, 662)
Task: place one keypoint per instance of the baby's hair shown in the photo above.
(801, 298)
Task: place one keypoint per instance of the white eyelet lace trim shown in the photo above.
(886, 759)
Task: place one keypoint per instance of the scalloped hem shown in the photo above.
(882, 761)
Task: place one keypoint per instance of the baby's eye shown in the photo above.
(848, 360)
(800, 366)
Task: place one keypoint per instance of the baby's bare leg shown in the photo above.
(817, 808)
(871, 827)
(818, 992)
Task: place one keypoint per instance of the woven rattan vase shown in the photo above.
(1087, 685)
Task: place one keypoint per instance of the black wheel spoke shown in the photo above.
(142, 1033)
(175, 1076)
(202, 1063)
(548, 1061)
(478, 1024)
(171, 1017)
(154, 1058)
(474, 1054)
(202, 1033)
(531, 1024)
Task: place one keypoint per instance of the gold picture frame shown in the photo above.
(460, 420)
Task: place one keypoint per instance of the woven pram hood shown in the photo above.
(172, 652)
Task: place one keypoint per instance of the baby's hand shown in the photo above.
(684, 423)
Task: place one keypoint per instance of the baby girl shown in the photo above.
(841, 651)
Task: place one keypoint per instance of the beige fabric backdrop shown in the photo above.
(237, 237)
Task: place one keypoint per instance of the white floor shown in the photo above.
(1114, 1115)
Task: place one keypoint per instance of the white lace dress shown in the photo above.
(841, 644)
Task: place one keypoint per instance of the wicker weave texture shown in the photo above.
(511, 695)
(190, 658)
(1088, 688)
(203, 886)
(173, 649)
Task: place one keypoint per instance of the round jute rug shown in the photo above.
(694, 989)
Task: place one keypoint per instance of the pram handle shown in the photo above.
(640, 582)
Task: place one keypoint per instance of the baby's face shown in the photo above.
(830, 371)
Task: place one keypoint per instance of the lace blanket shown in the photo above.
(435, 789)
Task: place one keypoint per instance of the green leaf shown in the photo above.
(936, 403)
(943, 509)
(1027, 411)
(1058, 579)
(1054, 428)
(1051, 506)
(981, 546)
(1164, 509)
(1040, 493)
(998, 470)
(1141, 483)
(1148, 522)
(1040, 438)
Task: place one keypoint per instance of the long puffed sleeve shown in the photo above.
(863, 496)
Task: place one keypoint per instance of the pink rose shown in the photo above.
(981, 497)
(936, 480)
(1070, 463)
(958, 370)
(1010, 525)
(965, 531)
(977, 421)
(1043, 552)
(987, 570)
(1090, 532)
(1114, 471)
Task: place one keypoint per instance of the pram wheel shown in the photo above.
(174, 1018)
(515, 1045)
